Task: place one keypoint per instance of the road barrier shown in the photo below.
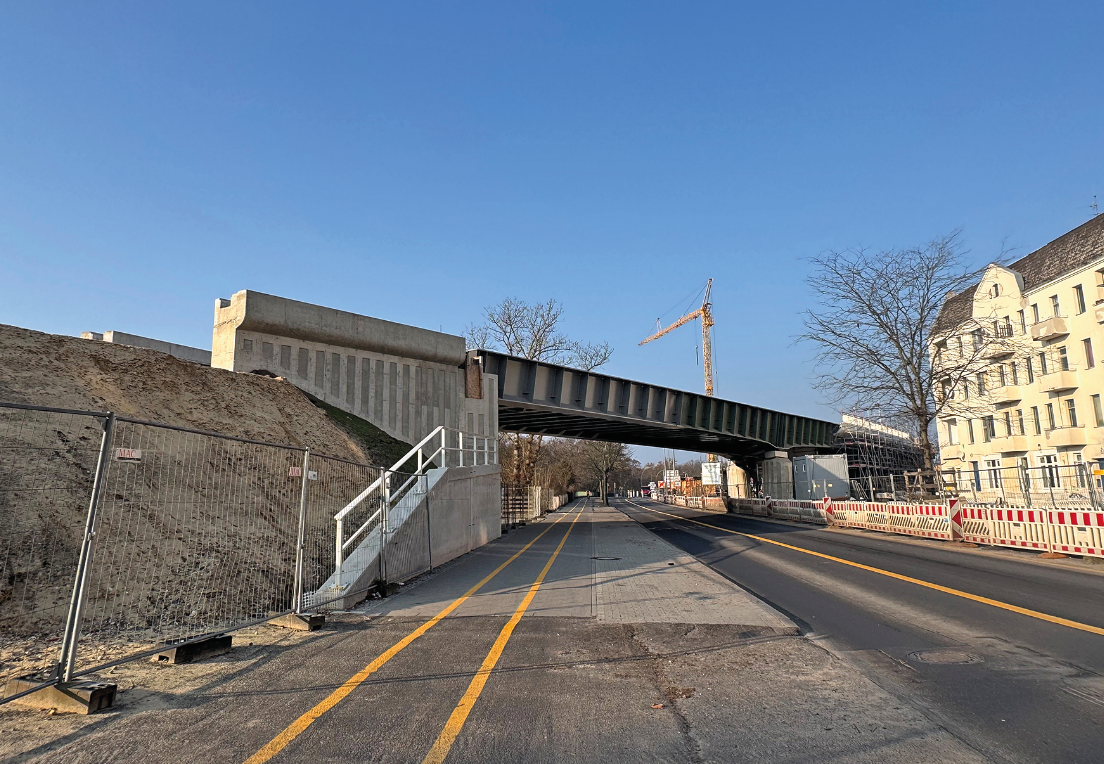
(1066, 530)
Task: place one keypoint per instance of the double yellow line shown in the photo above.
(919, 582)
(467, 702)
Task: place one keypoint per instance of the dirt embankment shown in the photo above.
(69, 372)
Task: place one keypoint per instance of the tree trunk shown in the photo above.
(605, 489)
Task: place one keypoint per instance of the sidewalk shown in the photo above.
(610, 569)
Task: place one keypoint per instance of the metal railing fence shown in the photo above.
(48, 466)
(1048, 486)
(194, 534)
(119, 537)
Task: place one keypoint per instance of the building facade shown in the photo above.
(1022, 359)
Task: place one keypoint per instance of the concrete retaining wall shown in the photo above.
(402, 379)
(183, 352)
(465, 510)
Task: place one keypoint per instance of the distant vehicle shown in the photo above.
(647, 492)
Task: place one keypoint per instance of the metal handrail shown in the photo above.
(392, 497)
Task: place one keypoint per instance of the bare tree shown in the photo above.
(599, 460)
(531, 331)
(875, 323)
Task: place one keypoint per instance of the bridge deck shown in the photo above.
(537, 397)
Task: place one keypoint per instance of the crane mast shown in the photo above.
(705, 313)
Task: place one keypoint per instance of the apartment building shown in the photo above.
(1022, 354)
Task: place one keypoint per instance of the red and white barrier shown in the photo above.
(801, 511)
(1077, 531)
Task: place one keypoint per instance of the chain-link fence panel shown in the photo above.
(332, 575)
(195, 535)
(48, 460)
(409, 540)
(1045, 486)
(515, 505)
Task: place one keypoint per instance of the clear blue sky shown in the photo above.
(418, 161)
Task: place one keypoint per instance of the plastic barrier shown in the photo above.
(756, 507)
(924, 520)
(1077, 531)
(801, 511)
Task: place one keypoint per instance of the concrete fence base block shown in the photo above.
(300, 621)
(195, 651)
(80, 697)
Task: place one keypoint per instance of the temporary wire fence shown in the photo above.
(120, 537)
(48, 465)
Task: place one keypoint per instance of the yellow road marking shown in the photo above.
(459, 715)
(898, 576)
(297, 727)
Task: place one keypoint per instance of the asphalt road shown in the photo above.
(1014, 687)
(581, 637)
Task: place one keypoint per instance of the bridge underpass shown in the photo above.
(548, 399)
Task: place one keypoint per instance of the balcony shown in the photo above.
(1005, 394)
(1011, 443)
(1050, 328)
(1058, 380)
(999, 346)
(1066, 436)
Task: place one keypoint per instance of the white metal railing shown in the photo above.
(483, 450)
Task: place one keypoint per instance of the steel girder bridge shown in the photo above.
(544, 398)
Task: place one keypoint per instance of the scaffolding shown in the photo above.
(879, 459)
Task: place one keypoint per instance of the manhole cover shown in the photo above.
(944, 656)
(605, 558)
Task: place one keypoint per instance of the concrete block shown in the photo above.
(80, 697)
(190, 652)
(300, 621)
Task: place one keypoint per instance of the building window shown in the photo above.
(970, 429)
(988, 428)
(1063, 358)
(1020, 421)
(1079, 469)
(993, 473)
(1049, 463)
(1015, 373)
(1051, 421)
(247, 346)
(1098, 410)
(1007, 422)
(1090, 361)
(994, 291)
(1054, 306)
(1079, 296)
(958, 340)
(952, 431)
(1043, 363)
(977, 475)
(981, 383)
(979, 337)
(1030, 371)
(1035, 420)
(1071, 412)
(1035, 312)
(1023, 322)
(1001, 374)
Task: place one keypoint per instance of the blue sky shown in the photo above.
(418, 161)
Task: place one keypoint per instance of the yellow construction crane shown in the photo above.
(705, 313)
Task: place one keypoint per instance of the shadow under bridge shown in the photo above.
(547, 399)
